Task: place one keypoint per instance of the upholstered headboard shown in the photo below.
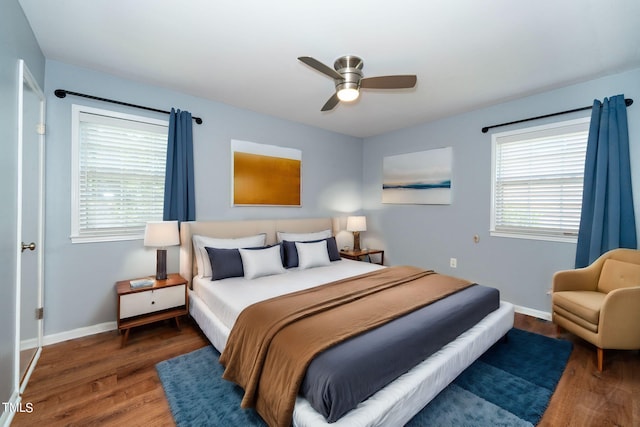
(232, 229)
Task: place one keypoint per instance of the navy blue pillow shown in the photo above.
(291, 253)
(227, 263)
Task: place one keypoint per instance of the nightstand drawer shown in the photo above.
(152, 300)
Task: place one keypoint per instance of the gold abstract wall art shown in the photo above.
(265, 175)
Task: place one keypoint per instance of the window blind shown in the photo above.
(538, 179)
(121, 170)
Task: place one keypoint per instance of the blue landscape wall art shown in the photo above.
(418, 178)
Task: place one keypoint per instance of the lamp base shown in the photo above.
(161, 264)
(356, 241)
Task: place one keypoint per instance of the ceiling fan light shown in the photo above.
(348, 94)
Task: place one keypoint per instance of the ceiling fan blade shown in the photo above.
(331, 103)
(389, 82)
(324, 69)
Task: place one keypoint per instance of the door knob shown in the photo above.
(31, 246)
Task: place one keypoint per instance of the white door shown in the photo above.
(31, 113)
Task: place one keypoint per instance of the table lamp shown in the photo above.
(161, 234)
(356, 224)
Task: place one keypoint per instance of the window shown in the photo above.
(537, 177)
(117, 172)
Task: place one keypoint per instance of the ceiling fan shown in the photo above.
(347, 76)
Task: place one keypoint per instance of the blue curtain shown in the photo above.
(607, 220)
(179, 198)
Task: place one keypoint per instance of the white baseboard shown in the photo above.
(79, 333)
(7, 416)
(533, 312)
(28, 344)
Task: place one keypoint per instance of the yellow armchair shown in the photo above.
(601, 303)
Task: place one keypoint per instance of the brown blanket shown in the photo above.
(273, 341)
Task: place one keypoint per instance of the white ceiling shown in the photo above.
(466, 53)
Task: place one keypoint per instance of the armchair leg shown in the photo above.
(600, 352)
(559, 330)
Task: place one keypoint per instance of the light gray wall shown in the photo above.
(80, 277)
(16, 42)
(340, 174)
(429, 235)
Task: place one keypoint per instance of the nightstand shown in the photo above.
(364, 253)
(165, 299)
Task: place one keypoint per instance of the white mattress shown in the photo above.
(393, 405)
(228, 297)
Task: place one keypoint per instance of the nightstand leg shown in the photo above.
(125, 337)
(178, 323)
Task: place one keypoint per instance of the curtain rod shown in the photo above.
(627, 101)
(61, 93)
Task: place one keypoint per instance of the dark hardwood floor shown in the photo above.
(584, 396)
(92, 381)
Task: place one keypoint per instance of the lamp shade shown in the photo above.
(161, 234)
(357, 223)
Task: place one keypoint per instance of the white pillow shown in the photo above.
(312, 254)
(261, 262)
(201, 242)
(303, 237)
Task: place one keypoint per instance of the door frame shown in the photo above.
(26, 78)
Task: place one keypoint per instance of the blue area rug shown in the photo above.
(510, 385)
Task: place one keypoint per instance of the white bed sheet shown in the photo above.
(228, 297)
(400, 400)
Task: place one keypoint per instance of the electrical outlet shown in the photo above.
(453, 263)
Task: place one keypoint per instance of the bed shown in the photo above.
(395, 403)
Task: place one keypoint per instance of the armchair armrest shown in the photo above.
(580, 279)
(619, 325)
